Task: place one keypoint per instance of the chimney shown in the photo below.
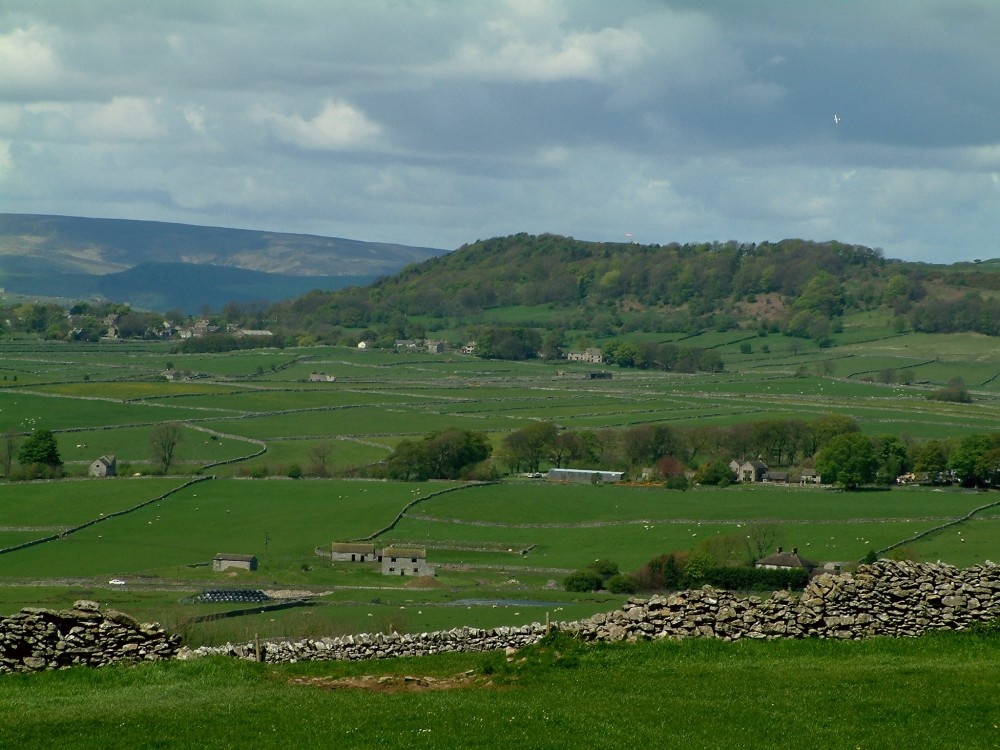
(779, 550)
(795, 550)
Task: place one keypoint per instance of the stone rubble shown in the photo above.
(899, 599)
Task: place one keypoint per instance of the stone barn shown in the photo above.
(105, 466)
(350, 552)
(241, 562)
(405, 561)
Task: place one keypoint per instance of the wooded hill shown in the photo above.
(799, 287)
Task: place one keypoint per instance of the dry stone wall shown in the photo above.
(43, 639)
(883, 599)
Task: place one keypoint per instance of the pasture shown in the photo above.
(506, 546)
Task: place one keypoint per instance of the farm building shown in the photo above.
(808, 476)
(405, 561)
(105, 466)
(785, 561)
(586, 476)
(242, 562)
(749, 471)
(592, 355)
(349, 552)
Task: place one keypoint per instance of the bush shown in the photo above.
(622, 583)
(756, 579)
(295, 471)
(583, 580)
(678, 482)
(604, 568)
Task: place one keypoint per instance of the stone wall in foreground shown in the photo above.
(886, 598)
(43, 639)
(883, 599)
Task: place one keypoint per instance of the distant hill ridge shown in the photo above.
(64, 256)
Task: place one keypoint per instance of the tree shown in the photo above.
(525, 448)
(163, 442)
(319, 454)
(716, 471)
(967, 460)
(760, 537)
(8, 451)
(41, 448)
(440, 455)
(408, 461)
(848, 460)
(931, 458)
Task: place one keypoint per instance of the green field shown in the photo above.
(510, 541)
(938, 691)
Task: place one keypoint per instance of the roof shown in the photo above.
(349, 547)
(106, 460)
(404, 552)
(235, 558)
(786, 560)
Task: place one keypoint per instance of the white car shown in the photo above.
(116, 582)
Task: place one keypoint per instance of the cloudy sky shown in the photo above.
(433, 122)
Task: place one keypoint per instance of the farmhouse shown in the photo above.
(587, 476)
(242, 562)
(405, 561)
(105, 466)
(592, 355)
(349, 552)
(786, 561)
(751, 471)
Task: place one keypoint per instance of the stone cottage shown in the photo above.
(786, 561)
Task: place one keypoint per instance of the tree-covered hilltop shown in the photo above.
(796, 286)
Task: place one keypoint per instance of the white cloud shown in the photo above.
(338, 126)
(194, 115)
(124, 118)
(28, 61)
(579, 55)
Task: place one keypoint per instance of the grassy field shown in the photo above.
(933, 692)
(105, 399)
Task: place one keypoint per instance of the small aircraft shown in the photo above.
(836, 119)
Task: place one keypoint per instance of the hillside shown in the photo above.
(802, 288)
(62, 256)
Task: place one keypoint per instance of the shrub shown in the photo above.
(621, 583)
(583, 580)
(604, 568)
(678, 482)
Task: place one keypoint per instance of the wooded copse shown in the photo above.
(832, 445)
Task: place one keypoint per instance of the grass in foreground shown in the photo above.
(938, 691)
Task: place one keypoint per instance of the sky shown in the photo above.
(437, 123)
